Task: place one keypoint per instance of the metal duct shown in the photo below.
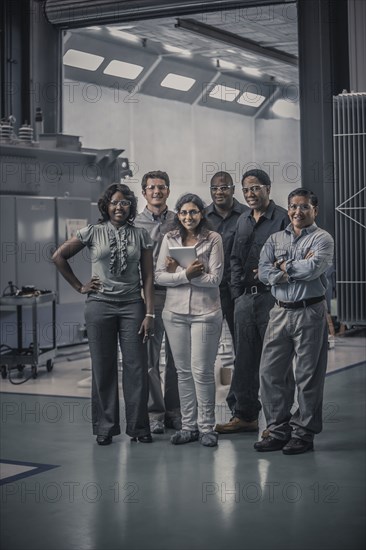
(349, 123)
(84, 13)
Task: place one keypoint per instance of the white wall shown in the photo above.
(277, 151)
(191, 143)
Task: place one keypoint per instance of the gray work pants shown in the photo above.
(161, 404)
(302, 335)
(194, 340)
(105, 323)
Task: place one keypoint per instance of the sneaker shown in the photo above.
(297, 446)
(156, 427)
(184, 436)
(209, 439)
(269, 443)
(173, 423)
(237, 425)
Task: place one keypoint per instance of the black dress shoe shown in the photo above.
(143, 438)
(104, 439)
(297, 446)
(270, 443)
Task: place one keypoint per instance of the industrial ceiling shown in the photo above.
(252, 50)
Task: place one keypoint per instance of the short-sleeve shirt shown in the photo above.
(102, 241)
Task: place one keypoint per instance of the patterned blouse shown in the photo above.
(115, 255)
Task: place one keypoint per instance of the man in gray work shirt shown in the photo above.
(164, 410)
(294, 262)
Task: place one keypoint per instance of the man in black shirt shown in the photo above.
(253, 300)
(223, 214)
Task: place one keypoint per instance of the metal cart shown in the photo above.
(34, 355)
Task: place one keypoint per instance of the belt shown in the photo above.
(300, 303)
(159, 287)
(256, 289)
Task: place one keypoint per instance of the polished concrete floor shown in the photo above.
(61, 491)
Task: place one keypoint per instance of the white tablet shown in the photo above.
(184, 255)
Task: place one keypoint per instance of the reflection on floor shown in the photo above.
(62, 491)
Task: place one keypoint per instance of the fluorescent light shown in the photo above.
(82, 60)
(124, 35)
(177, 82)
(175, 49)
(250, 99)
(252, 71)
(224, 93)
(286, 109)
(226, 64)
(123, 69)
(248, 55)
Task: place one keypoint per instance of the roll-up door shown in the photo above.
(84, 13)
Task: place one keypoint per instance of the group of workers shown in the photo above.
(260, 267)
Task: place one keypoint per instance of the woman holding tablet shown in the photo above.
(192, 316)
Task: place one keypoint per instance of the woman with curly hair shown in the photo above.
(115, 310)
(192, 317)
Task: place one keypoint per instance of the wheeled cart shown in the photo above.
(34, 355)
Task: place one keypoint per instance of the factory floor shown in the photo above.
(61, 491)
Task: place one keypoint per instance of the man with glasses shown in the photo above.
(294, 262)
(253, 300)
(164, 410)
(223, 214)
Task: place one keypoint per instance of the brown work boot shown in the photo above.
(237, 425)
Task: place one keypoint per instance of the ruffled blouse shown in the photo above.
(115, 255)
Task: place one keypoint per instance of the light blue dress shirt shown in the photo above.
(305, 278)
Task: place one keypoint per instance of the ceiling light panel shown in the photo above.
(224, 93)
(119, 33)
(122, 69)
(252, 71)
(187, 85)
(222, 64)
(177, 82)
(237, 94)
(123, 65)
(286, 109)
(251, 100)
(82, 60)
(175, 49)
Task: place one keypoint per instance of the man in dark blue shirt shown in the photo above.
(253, 299)
(223, 214)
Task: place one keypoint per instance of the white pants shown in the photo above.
(194, 341)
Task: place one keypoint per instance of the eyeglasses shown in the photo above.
(123, 202)
(254, 189)
(156, 187)
(303, 207)
(221, 188)
(188, 212)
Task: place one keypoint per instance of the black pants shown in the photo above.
(250, 319)
(227, 306)
(106, 322)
